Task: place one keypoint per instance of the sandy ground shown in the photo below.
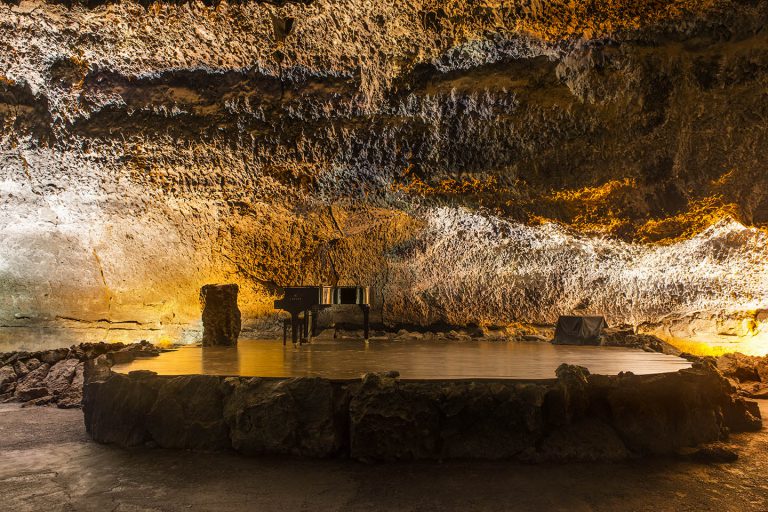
(48, 464)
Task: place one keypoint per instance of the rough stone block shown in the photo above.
(7, 379)
(293, 416)
(390, 420)
(32, 385)
(189, 413)
(23, 367)
(116, 409)
(221, 316)
(569, 398)
(72, 397)
(60, 376)
(658, 414)
(489, 420)
(52, 357)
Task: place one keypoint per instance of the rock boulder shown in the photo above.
(60, 376)
(750, 373)
(32, 385)
(72, 397)
(221, 316)
(7, 379)
(57, 376)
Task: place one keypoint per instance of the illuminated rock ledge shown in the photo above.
(574, 417)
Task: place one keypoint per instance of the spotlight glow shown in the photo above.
(473, 267)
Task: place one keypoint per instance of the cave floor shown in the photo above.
(48, 464)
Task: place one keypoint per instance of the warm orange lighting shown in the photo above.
(699, 216)
(616, 208)
(717, 346)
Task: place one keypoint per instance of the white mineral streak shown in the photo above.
(470, 267)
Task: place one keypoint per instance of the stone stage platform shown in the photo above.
(379, 417)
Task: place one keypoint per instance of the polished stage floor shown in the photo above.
(413, 359)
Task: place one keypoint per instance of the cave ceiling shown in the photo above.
(475, 162)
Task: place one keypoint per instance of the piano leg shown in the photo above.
(285, 331)
(366, 317)
(313, 324)
(305, 327)
(295, 327)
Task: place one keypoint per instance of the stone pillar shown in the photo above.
(221, 316)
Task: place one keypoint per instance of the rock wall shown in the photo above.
(424, 148)
(576, 417)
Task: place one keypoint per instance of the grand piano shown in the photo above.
(307, 301)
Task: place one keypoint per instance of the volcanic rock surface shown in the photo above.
(750, 374)
(578, 416)
(221, 316)
(420, 147)
(58, 376)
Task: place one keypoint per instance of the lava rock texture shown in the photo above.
(748, 373)
(57, 376)
(578, 416)
(221, 316)
(474, 162)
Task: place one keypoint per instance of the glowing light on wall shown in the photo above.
(472, 267)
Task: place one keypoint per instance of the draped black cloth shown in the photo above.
(579, 329)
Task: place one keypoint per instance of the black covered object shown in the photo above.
(579, 330)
